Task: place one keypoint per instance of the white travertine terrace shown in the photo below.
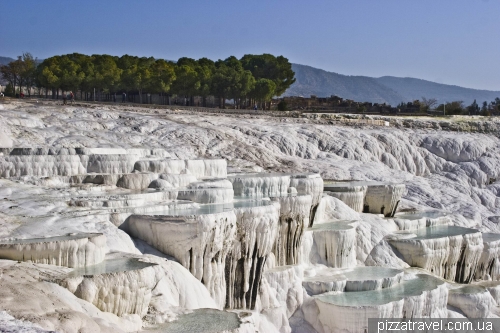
(351, 280)
(256, 230)
(294, 218)
(260, 184)
(181, 180)
(383, 198)
(170, 200)
(418, 220)
(354, 198)
(446, 251)
(285, 282)
(420, 297)
(334, 244)
(161, 166)
(379, 197)
(488, 267)
(109, 163)
(131, 181)
(73, 250)
(309, 184)
(46, 162)
(198, 238)
(40, 165)
(473, 301)
(198, 168)
(120, 286)
(207, 195)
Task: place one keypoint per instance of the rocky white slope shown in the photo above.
(277, 258)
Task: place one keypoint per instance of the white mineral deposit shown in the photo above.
(126, 219)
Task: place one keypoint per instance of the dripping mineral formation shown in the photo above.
(116, 219)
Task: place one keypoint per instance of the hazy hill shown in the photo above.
(5, 60)
(389, 89)
(314, 81)
(412, 89)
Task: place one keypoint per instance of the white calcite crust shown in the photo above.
(119, 286)
(109, 163)
(26, 292)
(199, 168)
(256, 231)
(449, 252)
(488, 267)
(294, 218)
(309, 184)
(352, 280)
(473, 301)
(353, 199)
(285, 284)
(422, 296)
(207, 195)
(383, 199)
(334, 244)
(419, 220)
(74, 250)
(64, 187)
(260, 184)
(200, 243)
(40, 165)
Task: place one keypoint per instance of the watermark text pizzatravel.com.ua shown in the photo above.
(433, 325)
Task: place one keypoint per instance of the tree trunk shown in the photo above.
(140, 96)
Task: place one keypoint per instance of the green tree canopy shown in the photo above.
(267, 66)
(187, 82)
(138, 75)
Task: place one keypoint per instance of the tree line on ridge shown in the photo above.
(250, 80)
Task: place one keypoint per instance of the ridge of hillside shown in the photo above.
(388, 89)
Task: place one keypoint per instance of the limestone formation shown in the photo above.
(73, 250)
(355, 279)
(200, 240)
(260, 184)
(378, 197)
(419, 220)
(334, 244)
(282, 250)
(119, 286)
(309, 184)
(488, 267)
(256, 230)
(449, 252)
(421, 297)
(294, 218)
(473, 301)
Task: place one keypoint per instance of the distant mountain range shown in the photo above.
(5, 60)
(388, 89)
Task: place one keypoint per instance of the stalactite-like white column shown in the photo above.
(294, 218)
(257, 228)
(311, 184)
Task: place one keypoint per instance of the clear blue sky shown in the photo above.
(447, 41)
